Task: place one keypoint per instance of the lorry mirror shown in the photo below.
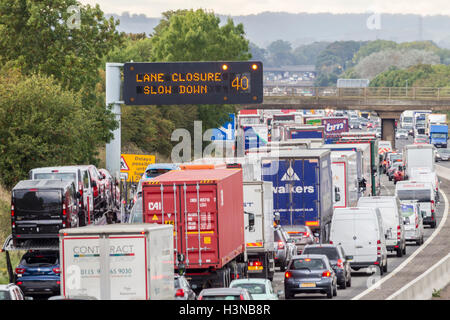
(78, 195)
(276, 216)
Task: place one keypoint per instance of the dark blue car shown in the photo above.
(38, 273)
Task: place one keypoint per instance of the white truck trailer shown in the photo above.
(418, 156)
(118, 262)
(259, 235)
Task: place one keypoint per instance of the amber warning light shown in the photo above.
(234, 82)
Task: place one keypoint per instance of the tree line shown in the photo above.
(52, 81)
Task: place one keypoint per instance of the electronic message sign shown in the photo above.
(172, 83)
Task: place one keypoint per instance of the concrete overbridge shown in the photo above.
(387, 102)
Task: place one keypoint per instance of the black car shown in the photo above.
(40, 208)
(338, 261)
(310, 273)
(183, 290)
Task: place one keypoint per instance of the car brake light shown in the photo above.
(20, 270)
(64, 209)
(19, 283)
(287, 274)
(200, 298)
(280, 245)
(12, 210)
(241, 297)
(255, 263)
(56, 270)
(331, 242)
(179, 293)
(326, 274)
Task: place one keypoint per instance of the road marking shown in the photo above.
(404, 263)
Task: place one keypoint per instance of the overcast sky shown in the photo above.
(154, 8)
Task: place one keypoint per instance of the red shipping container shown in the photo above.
(206, 209)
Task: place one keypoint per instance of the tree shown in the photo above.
(280, 53)
(378, 62)
(41, 124)
(44, 37)
(188, 35)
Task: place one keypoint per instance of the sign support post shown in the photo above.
(113, 86)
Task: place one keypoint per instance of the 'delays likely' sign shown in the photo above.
(174, 83)
(132, 166)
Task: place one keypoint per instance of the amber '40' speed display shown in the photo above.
(171, 83)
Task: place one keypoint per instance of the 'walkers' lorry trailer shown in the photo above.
(206, 209)
(259, 239)
(117, 262)
(302, 185)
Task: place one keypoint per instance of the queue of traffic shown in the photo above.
(305, 197)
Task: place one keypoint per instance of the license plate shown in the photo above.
(308, 285)
(255, 268)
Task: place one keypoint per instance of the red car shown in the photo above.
(112, 190)
(399, 175)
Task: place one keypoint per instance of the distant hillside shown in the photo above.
(305, 28)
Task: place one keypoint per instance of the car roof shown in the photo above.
(60, 168)
(313, 256)
(324, 245)
(251, 280)
(44, 183)
(7, 286)
(222, 291)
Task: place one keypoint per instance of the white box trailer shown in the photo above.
(365, 163)
(259, 239)
(418, 156)
(118, 262)
(345, 181)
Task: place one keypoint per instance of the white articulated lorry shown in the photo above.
(117, 262)
(417, 156)
(259, 235)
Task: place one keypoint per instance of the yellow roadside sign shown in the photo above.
(134, 165)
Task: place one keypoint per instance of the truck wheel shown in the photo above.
(399, 252)
(385, 269)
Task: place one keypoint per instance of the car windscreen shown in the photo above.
(331, 253)
(32, 200)
(308, 263)
(253, 288)
(38, 259)
(4, 295)
(443, 151)
(66, 176)
(420, 195)
(407, 210)
(152, 173)
(136, 212)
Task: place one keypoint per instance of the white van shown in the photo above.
(413, 221)
(424, 193)
(360, 232)
(392, 221)
(426, 176)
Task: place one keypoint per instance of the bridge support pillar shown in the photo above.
(388, 126)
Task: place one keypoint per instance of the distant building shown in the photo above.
(353, 83)
(303, 75)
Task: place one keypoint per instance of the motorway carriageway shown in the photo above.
(373, 287)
